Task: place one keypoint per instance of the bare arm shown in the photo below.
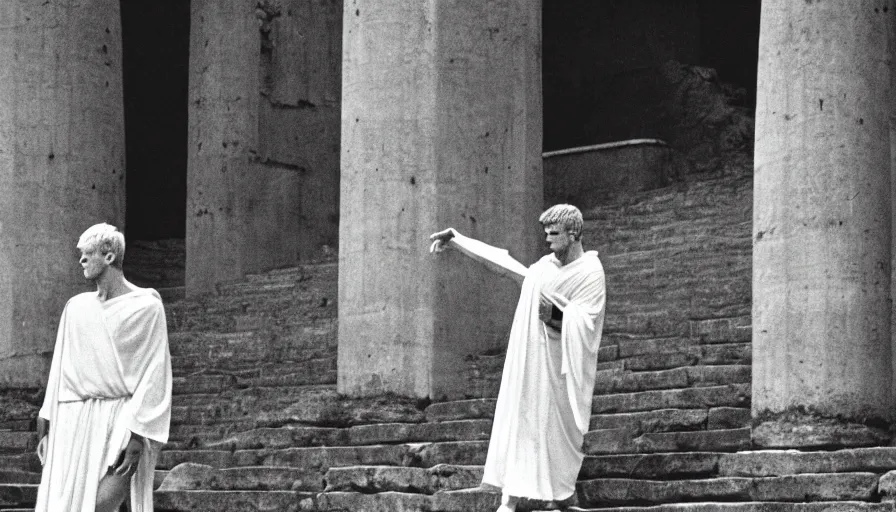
(495, 259)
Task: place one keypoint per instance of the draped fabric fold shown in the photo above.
(581, 297)
(110, 377)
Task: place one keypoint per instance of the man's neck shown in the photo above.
(575, 252)
(111, 284)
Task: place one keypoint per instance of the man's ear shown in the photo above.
(109, 257)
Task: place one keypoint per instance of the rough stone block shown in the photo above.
(793, 488)
(17, 494)
(191, 476)
(735, 395)
(217, 501)
(887, 486)
(651, 466)
(374, 479)
(461, 409)
(792, 462)
(663, 420)
(728, 417)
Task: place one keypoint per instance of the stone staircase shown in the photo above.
(258, 426)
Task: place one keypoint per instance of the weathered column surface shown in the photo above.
(441, 126)
(822, 226)
(61, 164)
(263, 156)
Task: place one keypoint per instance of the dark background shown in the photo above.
(599, 59)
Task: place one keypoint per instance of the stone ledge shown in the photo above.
(375, 479)
(791, 488)
(244, 501)
(17, 494)
(624, 441)
(192, 476)
(842, 506)
(734, 395)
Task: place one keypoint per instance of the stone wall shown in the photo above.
(603, 64)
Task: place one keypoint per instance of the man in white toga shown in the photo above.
(544, 404)
(107, 408)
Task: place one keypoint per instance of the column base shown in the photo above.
(798, 429)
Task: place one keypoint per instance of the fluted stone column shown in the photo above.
(61, 164)
(822, 358)
(441, 126)
(264, 125)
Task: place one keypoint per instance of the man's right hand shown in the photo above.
(441, 239)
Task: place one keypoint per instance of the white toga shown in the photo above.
(110, 376)
(544, 404)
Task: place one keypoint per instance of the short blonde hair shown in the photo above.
(104, 238)
(567, 216)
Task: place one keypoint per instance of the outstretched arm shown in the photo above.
(497, 260)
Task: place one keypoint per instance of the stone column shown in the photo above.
(822, 226)
(441, 126)
(263, 161)
(61, 164)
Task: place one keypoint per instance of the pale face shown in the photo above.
(557, 239)
(93, 263)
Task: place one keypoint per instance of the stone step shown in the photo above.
(446, 501)
(674, 420)
(687, 365)
(622, 440)
(245, 288)
(27, 462)
(202, 384)
(17, 440)
(321, 458)
(294, 436)
(242, 410)
(789, 488)
(710, 397)
(263, 374)
(21, 424)
(17, 495)
(622, 381)
(609, 432)
(461, 409)
(243, 501)
(761, 463)
(235, 313)
(653, 466)
(172, 294)
(732, 395)
(689, 355)
(253, 366)
(830, 506)
(11, 476)
(317, 405)
(319, 272)
(375, 479)
(464, 500)
(279, 341)
(199, 477)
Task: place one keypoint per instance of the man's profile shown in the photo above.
(544, 404)
(107, 407)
